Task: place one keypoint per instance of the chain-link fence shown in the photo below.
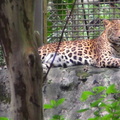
(85, 21)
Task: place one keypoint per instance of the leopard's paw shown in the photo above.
(45, 67)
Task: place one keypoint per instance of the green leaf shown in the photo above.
(96, 103)
(115, 104)
(111, 89)
(107, 117)
(60, 101)
(117, 113)
(4, 118)
(47, 106)
(85, 95)
(53, 103)
(99, 89)
(96, 118)
(83, 110)
(117, 107)
(97, 113)
(102, 104)
(108, 108)
(57, 117)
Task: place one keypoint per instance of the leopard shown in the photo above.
(103, 51)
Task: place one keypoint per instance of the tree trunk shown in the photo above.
(38, 26)
(16, 34)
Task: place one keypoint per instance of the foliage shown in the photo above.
(54, 104)
(85, 22)
(57, 117)
(106, 109)
(4, 118)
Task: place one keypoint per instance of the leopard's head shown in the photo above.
(112, 29)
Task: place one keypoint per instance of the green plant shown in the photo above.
(57, 117)
(107, 109)
(4, 118)
(54, 104)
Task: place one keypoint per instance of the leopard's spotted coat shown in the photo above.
(103, 51)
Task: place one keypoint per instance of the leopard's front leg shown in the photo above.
(57, 60)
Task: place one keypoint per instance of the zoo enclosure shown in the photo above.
(85, 21)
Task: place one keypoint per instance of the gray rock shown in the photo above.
(4, 93)
(68, 83)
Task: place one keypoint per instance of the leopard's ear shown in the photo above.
(106, 22)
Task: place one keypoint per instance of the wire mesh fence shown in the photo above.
(85, 21)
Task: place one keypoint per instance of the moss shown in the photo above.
(83, 74)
